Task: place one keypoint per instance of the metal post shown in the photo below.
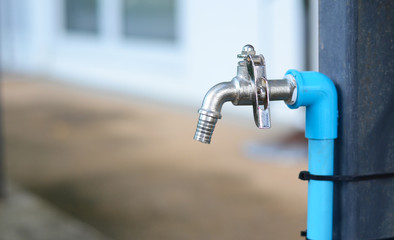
(356, 51)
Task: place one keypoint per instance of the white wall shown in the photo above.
(211, 34)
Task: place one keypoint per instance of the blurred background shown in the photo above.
(99, 103)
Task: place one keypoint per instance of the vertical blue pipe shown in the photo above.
(317, 93)
(320, 193)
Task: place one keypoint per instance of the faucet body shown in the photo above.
(242, 90)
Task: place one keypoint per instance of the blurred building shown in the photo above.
(171, 50)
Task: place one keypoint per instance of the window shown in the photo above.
(149, 19)
(81, 16)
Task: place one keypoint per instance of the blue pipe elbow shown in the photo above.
(318, 94)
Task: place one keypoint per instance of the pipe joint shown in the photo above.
(318, 94)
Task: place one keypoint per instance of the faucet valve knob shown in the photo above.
(261, 101)
(246, 51)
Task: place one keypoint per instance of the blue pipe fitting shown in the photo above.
(318, 94)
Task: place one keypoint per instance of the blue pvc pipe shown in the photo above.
(320, 193)
(317, 93)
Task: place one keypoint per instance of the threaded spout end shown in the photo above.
(205, 126)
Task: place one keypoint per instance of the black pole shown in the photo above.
(356, 50)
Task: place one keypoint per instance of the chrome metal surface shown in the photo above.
(247, 50)
(205, 127)
(249, 87)
(239, 91)
(293, 89)
(283, 89)
(261, 111)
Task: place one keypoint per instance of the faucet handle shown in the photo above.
(261, 101)
(246, 51)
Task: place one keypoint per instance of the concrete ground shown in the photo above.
(129, 167)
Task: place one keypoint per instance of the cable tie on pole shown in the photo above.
(306, 176)
(303, 234)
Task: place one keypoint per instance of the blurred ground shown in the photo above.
(24, 216)
(130, 167)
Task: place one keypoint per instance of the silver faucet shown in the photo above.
(249, 87)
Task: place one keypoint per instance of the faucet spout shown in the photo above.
(211, 107)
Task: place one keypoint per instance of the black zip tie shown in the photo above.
(304, 233)
(306, 176)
